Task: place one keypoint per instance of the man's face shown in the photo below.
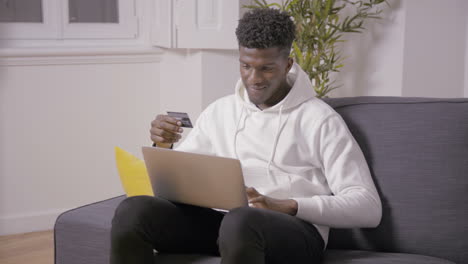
(263, 72)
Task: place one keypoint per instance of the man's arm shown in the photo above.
(166, 130)
(355, 201)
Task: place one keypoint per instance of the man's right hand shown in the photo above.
(165, 131)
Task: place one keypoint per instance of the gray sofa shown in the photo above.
(417, 149)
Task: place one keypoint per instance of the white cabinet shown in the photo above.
(196, 24)
(66, 20)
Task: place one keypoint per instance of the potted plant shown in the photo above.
(320, 26)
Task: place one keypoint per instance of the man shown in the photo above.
(305, 171)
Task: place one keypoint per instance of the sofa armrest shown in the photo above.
(82, 235)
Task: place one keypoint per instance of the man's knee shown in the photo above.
(243, 223)
(130, 210)
(241, 236)
(131, 214)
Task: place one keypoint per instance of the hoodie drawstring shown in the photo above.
(237, 131)
(273, 150)
(281, 123)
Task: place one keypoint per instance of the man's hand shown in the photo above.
(165, 131)
(258, 200)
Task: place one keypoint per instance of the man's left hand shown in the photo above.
(258, 200)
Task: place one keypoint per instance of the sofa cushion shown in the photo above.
(417, 150)
(331, 257)
(369, 257)
(133, 174)
(185, 259)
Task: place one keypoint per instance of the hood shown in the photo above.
(300, 92)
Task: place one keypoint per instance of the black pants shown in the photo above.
(244, 235)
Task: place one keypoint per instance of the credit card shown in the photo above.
(183, 117)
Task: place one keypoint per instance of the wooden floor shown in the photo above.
(30, 248)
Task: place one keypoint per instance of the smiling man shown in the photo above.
(305, 171)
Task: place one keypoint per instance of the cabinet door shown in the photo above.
(163, 26)
(29, 19)
(206, 24)
(103, 19)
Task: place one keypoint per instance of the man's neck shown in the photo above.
(277, 97)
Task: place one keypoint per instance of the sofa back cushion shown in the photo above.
(417, 150)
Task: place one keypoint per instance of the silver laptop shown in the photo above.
(196, 179)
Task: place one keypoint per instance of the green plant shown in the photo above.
(320, 25)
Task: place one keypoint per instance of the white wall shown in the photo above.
(181, 80)
(192, 79)
(373, 59)
(220, 74)
(64, 105)
(58, 128)
(417, 49)
(434, 48)
(466, 50)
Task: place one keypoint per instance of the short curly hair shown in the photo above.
(263, 28)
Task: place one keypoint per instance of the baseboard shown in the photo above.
(71, 56)
(25, 223)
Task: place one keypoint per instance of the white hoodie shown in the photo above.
(298, 149)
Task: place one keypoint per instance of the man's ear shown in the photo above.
(290, 64)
